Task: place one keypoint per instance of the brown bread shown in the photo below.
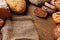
(40, 13)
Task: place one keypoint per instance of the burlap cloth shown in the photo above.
(19, 28)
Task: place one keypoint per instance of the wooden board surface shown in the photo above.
(43, 26)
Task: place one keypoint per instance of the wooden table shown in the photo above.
(44, 26)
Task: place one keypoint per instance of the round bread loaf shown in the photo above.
(57, 4)
(1, 23)
(56, 32)
(56, 17)
(58, 38)
(17, 6)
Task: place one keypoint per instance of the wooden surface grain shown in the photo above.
(43, 26)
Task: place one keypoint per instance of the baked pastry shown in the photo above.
(40, 13)
(48, 10)
(56, 17)
(57, 4)
(17, 6)
(38, 2)
(4, 13)
(1, 22)
(58, 38)
(4, 10)
(56, 32)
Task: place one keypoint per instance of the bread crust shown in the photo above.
(40, 13)
(18, 6)
(56, 17)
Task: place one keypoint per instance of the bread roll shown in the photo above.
(56, 17)
(40, 13)
(58, 38)
(4, 14)
(1, 22)
(4, 10)
(17, 6)
(56, 32)
(57, 4)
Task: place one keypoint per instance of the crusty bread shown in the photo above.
(1, 22)
(56, 32)
(40, 13)
(57, 4)
(4, 13)
(58, 38)
(17, 5)
(56, 17)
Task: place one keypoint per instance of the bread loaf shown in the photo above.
(40, 13)
(4, 10)
(56, 17)
(17, 6)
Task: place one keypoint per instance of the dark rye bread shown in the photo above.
(4, 13)
(4, 10)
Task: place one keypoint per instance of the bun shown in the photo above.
(17, 6)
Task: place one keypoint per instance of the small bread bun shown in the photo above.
(56, 17)
(4, 13)
(57, 4)
(1, 23)
(58, 38)
(40, 13)
(17, 6)
(4, 10)
(56, 32)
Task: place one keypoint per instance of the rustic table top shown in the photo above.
(43, 26)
